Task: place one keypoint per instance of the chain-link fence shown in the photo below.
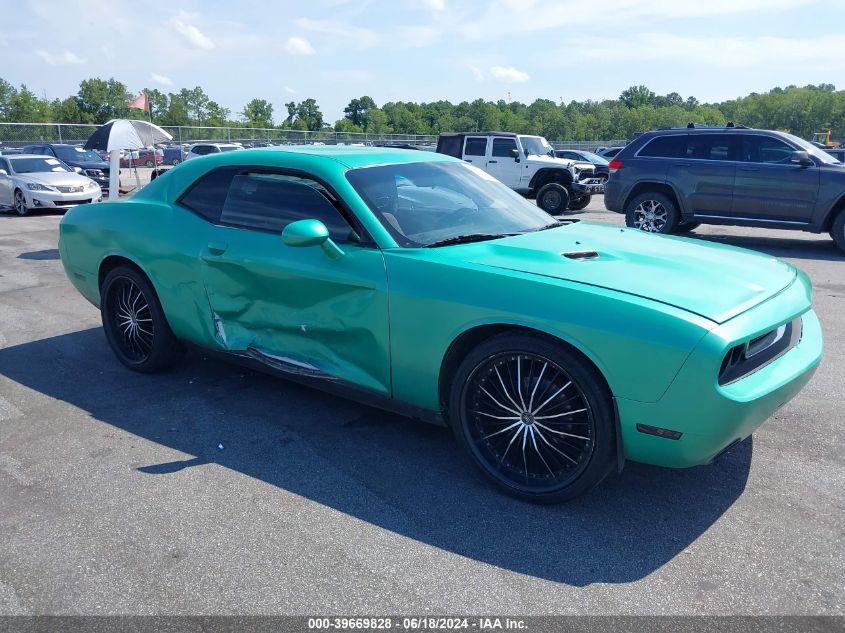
(21, 134)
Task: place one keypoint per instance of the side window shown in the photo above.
(503, 147)
(5, 165)
(475, 146)
(269, 202)
(708, 147)
(570, 156)
(664, 146)
(765, 149)
(207, 195)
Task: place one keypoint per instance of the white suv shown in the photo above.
(204, 149)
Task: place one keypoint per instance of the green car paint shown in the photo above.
(656, 315)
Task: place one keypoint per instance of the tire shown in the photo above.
(837, 230)
(147, 345)
(19, 202)
(687, 227)
(652, 212)
(553, 198)
(579, 202)
(149, 163)
(175, 162)
(561, 459)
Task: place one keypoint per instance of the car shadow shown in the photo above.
(823, 248)
(394, 473)
(50, 253)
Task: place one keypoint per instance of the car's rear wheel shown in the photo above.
(553, 198)
(652, 212)
(19, 203)
(687, 227)
(837, 231)
(175, 162)
(149, 163)
(134, 322)
(577, 203)
(534, 417)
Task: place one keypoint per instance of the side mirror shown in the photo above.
(526, 152)
(78, 170)
(801, 158)
(3, 172)
(310, 233)
(515, 154)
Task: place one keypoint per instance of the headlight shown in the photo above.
(92, 185)
(94, 173)
(34, 186)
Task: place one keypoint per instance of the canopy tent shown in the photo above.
(120, 134)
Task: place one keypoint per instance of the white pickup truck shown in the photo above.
(527, 165)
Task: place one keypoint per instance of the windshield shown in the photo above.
(537, 145)
(423, 203)
(812, 150)
(595, 159)
(77, 155)
(34, 165)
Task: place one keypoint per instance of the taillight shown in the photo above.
(614, 165)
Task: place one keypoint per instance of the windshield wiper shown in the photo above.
(469, 237)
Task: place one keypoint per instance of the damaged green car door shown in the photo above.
(301, 307)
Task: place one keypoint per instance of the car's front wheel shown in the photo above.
(134, 322)
(149, 163)
(553, 198)
(535, 417)
(837, 230)
(19, 202)
(175, 162)
(652, 212)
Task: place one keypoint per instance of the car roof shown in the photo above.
(511, 134)
(14, 156)
(353, 156)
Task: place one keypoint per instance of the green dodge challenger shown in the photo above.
(417, 283)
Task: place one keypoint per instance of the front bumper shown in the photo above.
(588, 186)
(711, 417)
(58, 200)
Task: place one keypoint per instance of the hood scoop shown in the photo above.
(581, 255)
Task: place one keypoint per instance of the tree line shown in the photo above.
(800, 110)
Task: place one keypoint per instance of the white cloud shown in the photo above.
(161, 79)
(434, 5)
(357, 35)
(526, 16)
(509, 74)
(729, 52)
(59, 59)
(299, 46)
(182, 24)
(290, 90)
(476, 72)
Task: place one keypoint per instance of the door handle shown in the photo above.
(492, 161)
(681, 164)
(748, 169)
(467, 160)
(217, 248)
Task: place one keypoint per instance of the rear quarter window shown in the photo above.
(664, 147)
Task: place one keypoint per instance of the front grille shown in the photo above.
(65, 189)
(67, 203)
(746, 358)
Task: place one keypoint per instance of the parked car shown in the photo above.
(141, 158)
(204, 149)
(608, 152)
(174, 155)
(10, 151)
(527, 165)
(555, 350)
(91, 163)
(600, 165)
(672, 180)
(30, 181)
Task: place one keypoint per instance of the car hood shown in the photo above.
(711, 280)
(548, 161)
(91, 164)
(55, 178)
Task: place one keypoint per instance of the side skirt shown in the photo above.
(316, 379)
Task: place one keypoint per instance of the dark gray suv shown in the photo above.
(673, 180)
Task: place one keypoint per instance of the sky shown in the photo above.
(423, 50)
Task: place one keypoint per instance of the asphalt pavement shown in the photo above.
(214, 490)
